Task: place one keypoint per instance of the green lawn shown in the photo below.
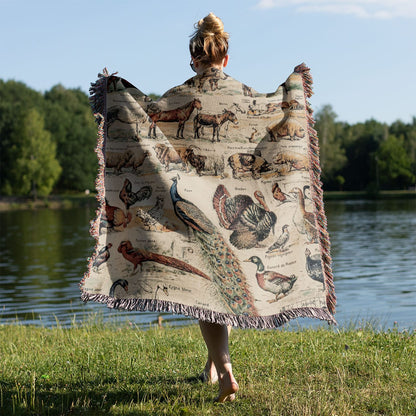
(101, 369)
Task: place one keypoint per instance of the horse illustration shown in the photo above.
(216, 121)
(180, 115)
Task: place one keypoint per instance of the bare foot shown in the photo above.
(228, 388)
(209, 375)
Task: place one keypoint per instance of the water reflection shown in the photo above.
(43, 257)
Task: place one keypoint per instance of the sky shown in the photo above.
(361, 52)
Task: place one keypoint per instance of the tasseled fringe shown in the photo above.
(241, 321)
(315, 172)
(98, 105)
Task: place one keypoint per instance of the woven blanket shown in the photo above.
(210, 202)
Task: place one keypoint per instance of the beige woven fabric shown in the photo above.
(211, 204)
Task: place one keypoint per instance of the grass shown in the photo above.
(101, 369)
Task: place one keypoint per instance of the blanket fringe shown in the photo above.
(241, 321)
(317, 192)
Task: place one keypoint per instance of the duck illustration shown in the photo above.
(273, 282)
(304, 220)
(222, 263)
(314, 267)
(120, 282)
(281, 241)
(251, 222)
(102, 256)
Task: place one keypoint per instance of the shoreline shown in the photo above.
(67, 201)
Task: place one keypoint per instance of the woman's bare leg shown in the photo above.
(216, 339)
(209, 374)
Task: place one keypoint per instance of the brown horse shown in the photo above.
(216, 121)
(180, 114)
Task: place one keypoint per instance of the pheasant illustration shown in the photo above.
(273, 282)
(138, 256)
(279, 244)
(224, 266)
(304, 220)
(120, 282)
(314, 267)
(251, 222)
(102, 256)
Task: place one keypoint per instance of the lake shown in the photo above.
(43, 257)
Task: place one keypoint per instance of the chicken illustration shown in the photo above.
(129, 197)
(251, 223)
(224, 266)
(314, 267)
(102, 256)
(273, 282)
(304, 220)
(114, 217)
(120, 282)
(281, 241)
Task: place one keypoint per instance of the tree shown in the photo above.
(394, 164)
(332, 154)
(71, 123)
(34, 167)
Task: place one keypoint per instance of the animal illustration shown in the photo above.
(170, 155)
(287, 128)
(215, 121)
(251, 223)
(314, 267)
(204, 164)
(122, 114)
(127, 159)
(102, 256)
(246, 165)
(252, 135)
(272, 107)
(279, 195)
(114, 217)
(129, 197)
(180, 115)
(138, 256)
(224, 266)
(295, 161)
(279, 244)
(212, 77)
(247, 91)
(163, 288)
(292, 105)
(151, 220)
(120, 282)
(272, 282)
(304, 220)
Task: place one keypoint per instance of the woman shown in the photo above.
(189, 209)
(209, 53)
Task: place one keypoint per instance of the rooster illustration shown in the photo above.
(251, 222)
(224, 266)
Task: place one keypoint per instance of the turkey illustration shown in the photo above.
(251, 223)
(224, 266)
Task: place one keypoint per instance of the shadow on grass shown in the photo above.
(99, 396)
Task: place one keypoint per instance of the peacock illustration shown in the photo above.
(251, 222)
(224, 266)
(273, 282)
(120, 282)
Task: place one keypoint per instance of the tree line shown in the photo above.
(47, 143)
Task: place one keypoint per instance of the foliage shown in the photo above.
(365, 156)
(101, 369)
(34, 167)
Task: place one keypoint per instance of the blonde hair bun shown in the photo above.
(209, 42)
